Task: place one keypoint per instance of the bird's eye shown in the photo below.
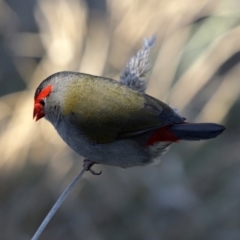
(42, 102)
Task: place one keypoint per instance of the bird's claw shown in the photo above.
(88, 165)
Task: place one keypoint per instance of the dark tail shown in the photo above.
(197, 131)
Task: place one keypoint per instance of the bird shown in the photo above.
(110, 123)
(115, 122)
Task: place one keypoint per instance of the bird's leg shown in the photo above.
(88, 163)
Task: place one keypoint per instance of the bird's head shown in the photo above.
(51, 96)
(48, 95)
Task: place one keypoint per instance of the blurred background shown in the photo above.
(195, 193)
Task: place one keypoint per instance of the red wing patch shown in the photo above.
(163, 134)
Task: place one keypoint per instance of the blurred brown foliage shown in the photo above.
(195, 192)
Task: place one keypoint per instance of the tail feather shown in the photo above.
(196, 131)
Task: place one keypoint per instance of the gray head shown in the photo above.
(48, 96)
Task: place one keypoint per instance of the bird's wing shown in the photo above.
(107, 110)
(154, 114)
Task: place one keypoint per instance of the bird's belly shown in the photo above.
(123, 153)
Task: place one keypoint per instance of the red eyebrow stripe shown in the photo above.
(44, 93)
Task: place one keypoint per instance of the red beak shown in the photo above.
(38, 111)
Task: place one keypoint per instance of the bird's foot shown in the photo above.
(88, 164)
